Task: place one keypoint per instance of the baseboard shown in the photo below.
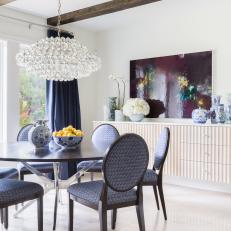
(204, 185)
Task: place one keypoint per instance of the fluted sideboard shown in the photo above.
(199, 152)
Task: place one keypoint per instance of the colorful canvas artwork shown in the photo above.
(173, 85)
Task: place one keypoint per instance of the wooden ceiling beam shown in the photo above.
(4, 2)
(98, 10)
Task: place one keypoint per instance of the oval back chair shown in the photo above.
(102, 137)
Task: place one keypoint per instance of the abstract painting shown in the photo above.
(173, 85)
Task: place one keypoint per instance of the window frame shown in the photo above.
(3, 87)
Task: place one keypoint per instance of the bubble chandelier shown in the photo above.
(59, 58)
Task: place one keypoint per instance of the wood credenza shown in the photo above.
(201, 152)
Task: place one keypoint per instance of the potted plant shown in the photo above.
(136, 109)
(118, 114)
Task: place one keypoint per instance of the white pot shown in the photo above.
(119, 116)
(136, 117)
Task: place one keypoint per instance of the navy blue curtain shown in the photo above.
(63, 108)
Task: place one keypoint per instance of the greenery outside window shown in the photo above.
(32, 97)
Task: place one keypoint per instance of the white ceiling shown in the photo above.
(48, 8)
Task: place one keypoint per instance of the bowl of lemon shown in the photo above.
(68, 138)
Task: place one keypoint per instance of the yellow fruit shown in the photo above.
(70, 126)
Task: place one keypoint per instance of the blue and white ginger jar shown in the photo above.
(39, 135)
(200, 116)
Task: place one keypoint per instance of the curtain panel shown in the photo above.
(63, 107)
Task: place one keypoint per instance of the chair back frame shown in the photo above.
(164, 156)
(110, 153)
(101, 126)
(22, 130)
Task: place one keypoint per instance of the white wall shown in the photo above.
(168, 28)
(15, 33)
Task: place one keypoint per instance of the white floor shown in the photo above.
(188, 210)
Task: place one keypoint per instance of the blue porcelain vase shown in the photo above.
(39, 135)
(200, 116)
(112, 108)
(220, 114)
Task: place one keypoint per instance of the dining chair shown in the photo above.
(123, 169)
(102, 137)
(7, 173)
(153, 177)
(13, 192)
(45, 167)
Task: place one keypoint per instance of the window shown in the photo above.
(32, 97)
(3, 57)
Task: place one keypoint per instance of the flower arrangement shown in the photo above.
(187, 91)
(136, 106)
(119, 80)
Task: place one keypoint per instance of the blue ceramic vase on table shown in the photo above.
(39, 135)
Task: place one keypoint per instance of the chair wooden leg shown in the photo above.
(21, 176)
(1, 211)
(156, 197)
(140, 210)
(5, 217)
(102, 217)
(113, 218)
(161, 193)
(71, 214)
(92, 176)
(140, 216)
(40, 213)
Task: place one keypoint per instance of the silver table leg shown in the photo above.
(56, 167)
(56, 184)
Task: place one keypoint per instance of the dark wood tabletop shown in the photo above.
(26, 152)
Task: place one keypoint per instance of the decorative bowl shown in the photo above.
(68, 142)
(136, 117)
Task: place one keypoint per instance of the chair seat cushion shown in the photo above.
(95, 168)
(90, 192)
(150, 177)
(43, 167)
(8, 173)
(14, 192)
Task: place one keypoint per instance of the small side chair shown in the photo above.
(7, 173)
(45, 167)
(13, 192)
(153, 177)
(123, 169)
(102, 137)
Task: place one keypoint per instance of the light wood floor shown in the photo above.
(188, 210)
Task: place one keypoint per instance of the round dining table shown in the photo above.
(26, 153)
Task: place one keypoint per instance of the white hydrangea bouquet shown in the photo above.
(136, 109)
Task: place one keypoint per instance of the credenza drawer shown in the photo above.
(206, 153)
(205, 135)
(206, 171)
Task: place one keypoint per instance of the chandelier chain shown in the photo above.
(59, 17)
